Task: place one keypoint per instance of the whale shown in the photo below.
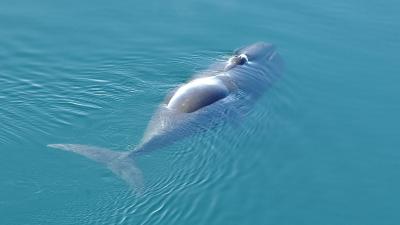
(222, 93)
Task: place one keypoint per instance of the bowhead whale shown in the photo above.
(221, 93)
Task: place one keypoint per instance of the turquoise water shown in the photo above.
(320, 147)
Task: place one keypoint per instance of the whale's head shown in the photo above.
(254, 63)
(257, 54)
(257, 51)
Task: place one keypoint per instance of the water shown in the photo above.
(320, 147)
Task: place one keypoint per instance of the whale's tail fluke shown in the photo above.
(121, 163)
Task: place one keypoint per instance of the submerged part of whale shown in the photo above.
(195, 106)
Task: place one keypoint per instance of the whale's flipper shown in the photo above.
(119, 162)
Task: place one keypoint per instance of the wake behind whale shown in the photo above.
(222, 93)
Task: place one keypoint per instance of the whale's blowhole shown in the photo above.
(236, 60)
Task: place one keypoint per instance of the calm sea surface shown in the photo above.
(321, 147)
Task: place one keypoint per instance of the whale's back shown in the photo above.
(198, 94)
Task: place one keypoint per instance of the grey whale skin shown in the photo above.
(219, 94)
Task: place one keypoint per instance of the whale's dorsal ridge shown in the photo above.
(198, 94)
